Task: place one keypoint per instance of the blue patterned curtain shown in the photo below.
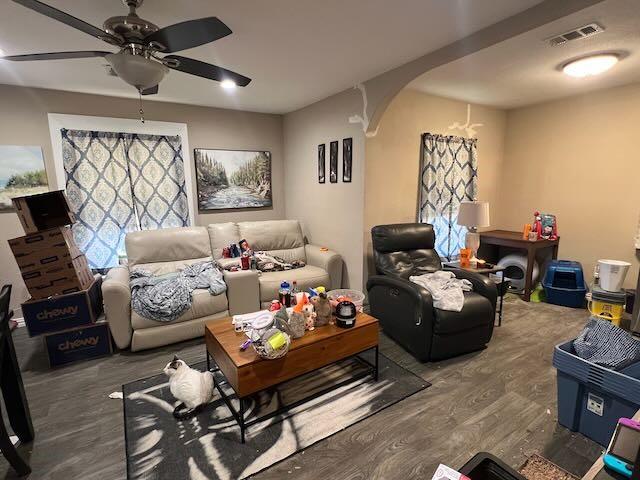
(449, 173)
(118, 183)
(156, 169)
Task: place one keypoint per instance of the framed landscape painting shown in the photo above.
(22, 173)
(233, 179)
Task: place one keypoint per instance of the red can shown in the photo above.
(245, 261)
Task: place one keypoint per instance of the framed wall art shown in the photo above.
(233, 179)
(22, 172)
(321, 163)
(347, 159)
(333, 162)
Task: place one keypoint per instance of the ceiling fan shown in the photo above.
(140, 62)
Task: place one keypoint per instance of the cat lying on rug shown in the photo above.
(193, 388)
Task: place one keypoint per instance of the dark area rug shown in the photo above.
(208, 446)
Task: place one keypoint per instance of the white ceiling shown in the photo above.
(296, 51)
(524, 70)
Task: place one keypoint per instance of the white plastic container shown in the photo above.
(612, 273)
(356, 296)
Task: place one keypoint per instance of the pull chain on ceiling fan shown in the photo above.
(139, 62)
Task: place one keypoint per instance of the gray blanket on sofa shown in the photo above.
(165, 297)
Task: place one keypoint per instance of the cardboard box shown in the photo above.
(43, 211)
(58, 278)
(44, 247)
(82, 343)
(64, 311)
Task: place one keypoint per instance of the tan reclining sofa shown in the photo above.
(169, 250)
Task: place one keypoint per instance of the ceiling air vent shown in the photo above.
(577, 34)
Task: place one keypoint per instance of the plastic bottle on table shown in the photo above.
(284, 294)
(294, 293)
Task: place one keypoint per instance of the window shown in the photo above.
(121, 182)
(449, 175)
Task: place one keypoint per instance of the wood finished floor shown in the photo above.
(501, 400)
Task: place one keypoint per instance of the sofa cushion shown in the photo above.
(203, 304)
(161, 268)
(222, 235)
(272, 234)
(307, 277)
(476, 312)
(167, 245)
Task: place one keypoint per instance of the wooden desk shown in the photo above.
(494, 239)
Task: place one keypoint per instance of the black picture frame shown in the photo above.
(333, 162)
(322, 155)
(347, 159)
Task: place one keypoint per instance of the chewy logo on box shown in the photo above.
(81, 342)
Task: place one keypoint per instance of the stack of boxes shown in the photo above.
(66, 299)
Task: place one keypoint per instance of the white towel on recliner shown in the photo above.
(445, 288)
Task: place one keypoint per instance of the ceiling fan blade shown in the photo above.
(150, 91)
(189, 34)
(70, 20)
(206, 70)
(54, 56)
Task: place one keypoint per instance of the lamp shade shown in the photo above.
(473, 214)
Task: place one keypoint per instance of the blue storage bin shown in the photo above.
(564, 284)
(592, 398)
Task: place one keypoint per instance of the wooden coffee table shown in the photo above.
(246, 373)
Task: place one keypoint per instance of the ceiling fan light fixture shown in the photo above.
(136, 70)
(590, 65)
(228, 84)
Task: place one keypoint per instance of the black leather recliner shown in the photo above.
(405, 309)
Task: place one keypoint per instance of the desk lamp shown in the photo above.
(473, 214)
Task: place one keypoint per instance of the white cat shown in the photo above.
(192, 387)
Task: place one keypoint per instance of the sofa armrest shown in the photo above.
(405, 312)
(116, 295)
(481, 284)
(328, 260)
(243, 291)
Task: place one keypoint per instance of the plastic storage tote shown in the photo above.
(485, 466)
(592, 398)
(564, 284)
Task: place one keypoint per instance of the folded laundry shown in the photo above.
(165, 297)
(446, 290)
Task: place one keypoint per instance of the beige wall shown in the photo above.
(578, 159)
(393, 155)
(23, 121)
(331, 214)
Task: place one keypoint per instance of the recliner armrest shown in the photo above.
(243, 291)
(405, 312)
(481, 284)
(328, 260)
(116, 296)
